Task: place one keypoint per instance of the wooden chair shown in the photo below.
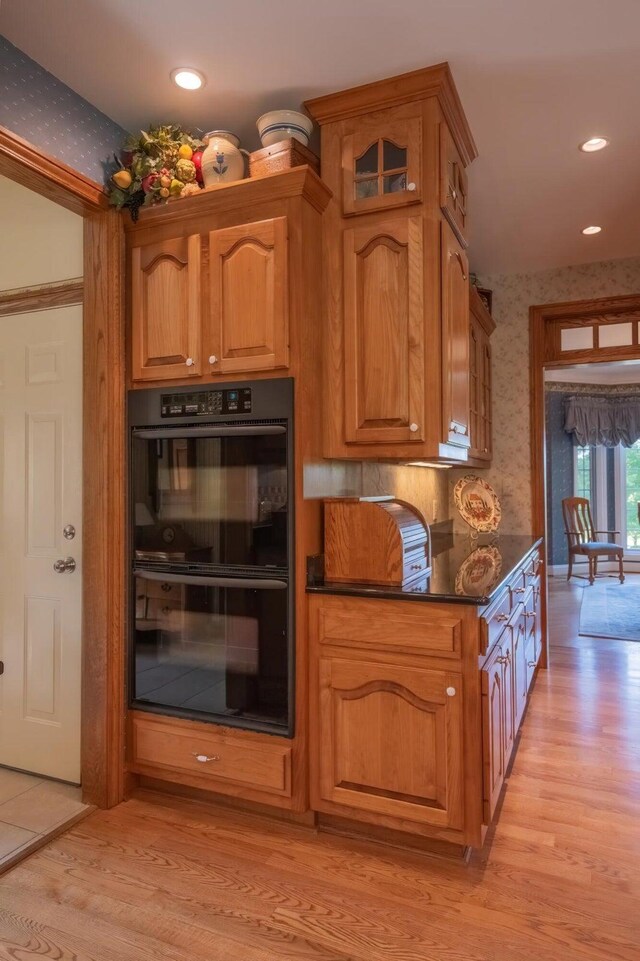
(581, 538)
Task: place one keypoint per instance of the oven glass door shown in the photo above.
(212, 647)
(212, 495)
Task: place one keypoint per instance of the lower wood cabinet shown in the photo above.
(390, 741)
(211, 757)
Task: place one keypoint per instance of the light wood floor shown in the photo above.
(560, 880)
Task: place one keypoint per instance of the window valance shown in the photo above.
(601, 419)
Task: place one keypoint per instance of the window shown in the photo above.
(584, 465)
(631, 496)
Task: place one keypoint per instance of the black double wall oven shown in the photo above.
(212, 535)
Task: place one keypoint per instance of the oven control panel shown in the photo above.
(206, 402)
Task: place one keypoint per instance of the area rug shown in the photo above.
(611, 610)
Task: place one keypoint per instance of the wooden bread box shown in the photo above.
(282, 156)
(377, 540)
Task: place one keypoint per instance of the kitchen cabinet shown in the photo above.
(384, 331)
(481, 327)
(217, 281)
(381, 162)
(390, 740)
(415, 705)
(249, 321)
(455, 339)
(396, 272)
(453, 185)
(166, 305)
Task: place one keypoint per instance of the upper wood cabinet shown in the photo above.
(453, 185)
(481, 326)
(396, 305)
(167, 309)
(218, 279)
(382, 162)
(455, 340)
(249, 297)
(384, 331)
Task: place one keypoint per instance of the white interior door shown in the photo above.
(40, 494)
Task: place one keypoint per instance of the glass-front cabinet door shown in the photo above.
(381, 163)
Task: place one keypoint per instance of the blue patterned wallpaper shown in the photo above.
(47, 113)
(559, 474)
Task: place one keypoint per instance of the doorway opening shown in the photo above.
(41, 484)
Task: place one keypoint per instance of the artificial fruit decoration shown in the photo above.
(196, 160)
(154, 166)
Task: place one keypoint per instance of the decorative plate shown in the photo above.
(478, 503)
(479, 573)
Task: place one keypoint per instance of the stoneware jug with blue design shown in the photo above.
(222, 159)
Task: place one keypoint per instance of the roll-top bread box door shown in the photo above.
(377, 540)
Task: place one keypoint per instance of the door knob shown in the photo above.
(69, 532)
(62, 566)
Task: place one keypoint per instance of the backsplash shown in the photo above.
(38, 107)
(513, 294)
(424, 487)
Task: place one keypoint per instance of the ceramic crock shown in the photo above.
(222, 159)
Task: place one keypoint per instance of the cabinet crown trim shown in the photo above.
(435, 81)
(241, 194)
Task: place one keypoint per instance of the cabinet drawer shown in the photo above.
(532, 569)
(161, 745)
(414, 564)
(495, 619)
(532, 657)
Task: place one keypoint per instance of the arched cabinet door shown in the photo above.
(249, 306)
(384, 389)
(166, 309)
(390, 741)
(382, 163)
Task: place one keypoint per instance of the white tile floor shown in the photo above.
(31, 808)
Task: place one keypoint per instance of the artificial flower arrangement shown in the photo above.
(159, 164)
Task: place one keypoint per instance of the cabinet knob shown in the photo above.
(451, 692)
(411, 186)
(213, 359)
(203, 758)
(413, 428)
(454, 194)
(189, 361)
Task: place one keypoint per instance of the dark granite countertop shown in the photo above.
(464, 571)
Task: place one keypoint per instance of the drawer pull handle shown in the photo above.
(416, 567)
(531, 663)
(451, 692)
(165, 588)
(166, 610)
(502, 617)
(203, 758)
(529, 613)
(503, 659)
(519, 590)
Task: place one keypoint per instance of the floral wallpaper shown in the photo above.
(513, 294)
(47, 113)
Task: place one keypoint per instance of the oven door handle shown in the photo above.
(241, 430)
(199, 580)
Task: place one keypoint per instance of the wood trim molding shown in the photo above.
(22, 300)
(104, 594)
(541, 320)
(26, 165)
(435, 81)
(104, 499)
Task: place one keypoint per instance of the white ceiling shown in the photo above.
(621, 372)
(536, 77)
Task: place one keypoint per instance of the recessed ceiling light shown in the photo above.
(187, 78)
(595, 143)
(591, 230)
